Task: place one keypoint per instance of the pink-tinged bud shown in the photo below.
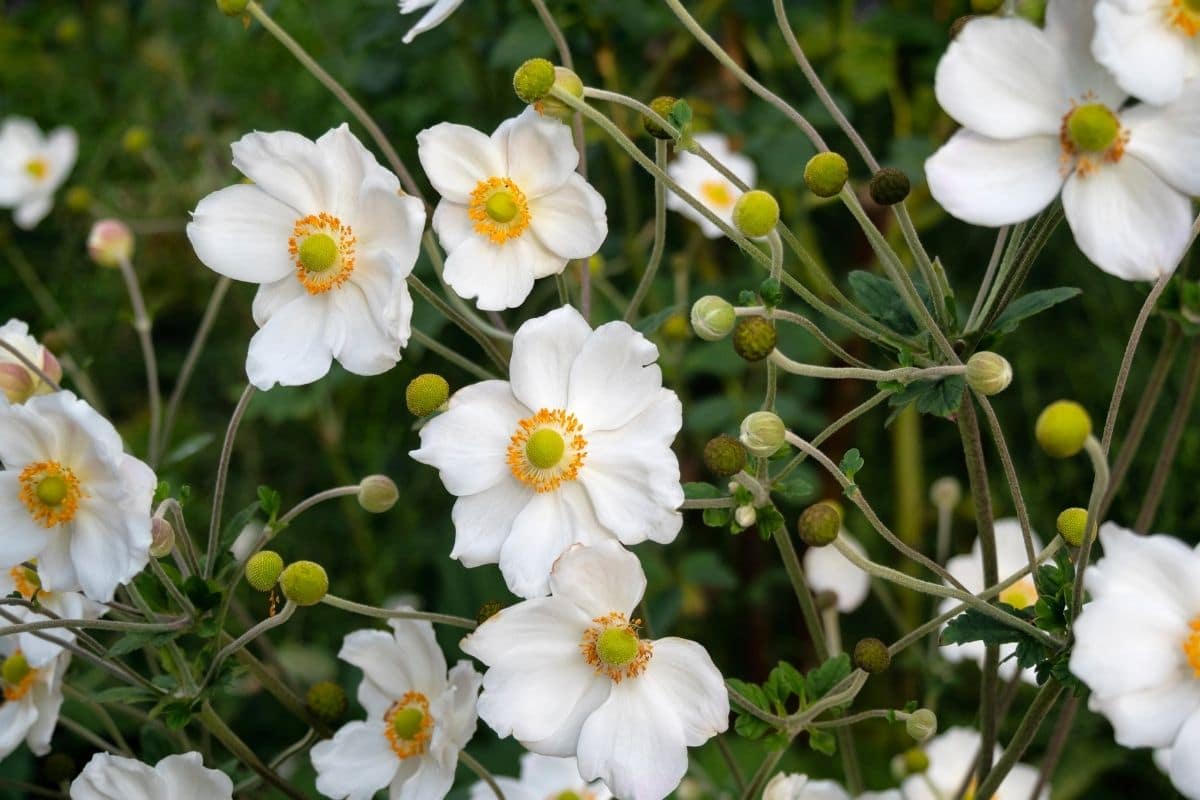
(110, 242)
(51, 367)
(16, 382)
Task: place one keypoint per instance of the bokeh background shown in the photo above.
(157, 90)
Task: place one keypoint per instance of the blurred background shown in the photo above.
(157, 90)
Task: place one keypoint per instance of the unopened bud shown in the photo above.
(724, 456)
(1062, 428)
(756, 213)
(872, 656)
(745, 516)
(263, 570)
(78, 199)
(945, 493)
(488, 610)
(713, 318)
(533, 80)
(377, 493)
(988, 373)
(754, 338)
(567, 81)
(304, 583)
(233, 8)
(135, 140)
(889, 186)
(162, 538)
(661, 106)
(326, 700)
(763, 433)
(110, 242)
(1071, 524)
(826, 173)
(921, 725)
(819, 524)
(426, 394)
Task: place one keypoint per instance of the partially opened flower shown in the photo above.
(699, 179)
(513, 209)
(953, 757)
(109, 777)
(1150, 46)
(1041, 117)
(627, 707)
(32, 167)
(418, 718)
(793, 786)
(71, 497)
(441, 9)
(1137, 647)
(24, 581)
(576, 448)
(827, 570)
(544, 778)
(326, 233)
(968, 569)
(18, 382)
(32, 699)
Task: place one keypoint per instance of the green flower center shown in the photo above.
(567, 795)
(502, 207)
(14, 669)
(617, 646)
(1192, 5)
(52, 490)
(1093, 128)
(318, 252)
(407, 722)
(37, 168)
(545, 448)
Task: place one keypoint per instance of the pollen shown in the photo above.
(323, 251)
(51, 492)
(1091, 136)
(17, 676)
(1185, 15)
(547, 449)
(612, 646)
(499, 210)
(25, 580)
(1191, 646)
(409, 725)
(37, 168)
(717, 193)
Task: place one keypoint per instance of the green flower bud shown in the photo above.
(988, 373)
(570, 83)
(377, 494)
(945, 493)
(263, 569)
(78, 199)
(986, 6)
(763, 433)
(745, 516)
(754, 338)
(1032, 10)
(661, 106)
(676, 328)
(826, 173)
(135, 140)
(1062, 428)
(872, 656)
(756, 213)
(889, 186)
(724, 456)
(110, 242)
(921, 725)
(233, 8)
(426, 394)
(326, 700)
(162, 538)
(304, 583)
(713, 318)
(819, 524)
(488, 610)
(1071, 524)
(533, 80)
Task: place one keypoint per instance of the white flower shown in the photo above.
(827, 570)
(32, 167)
(330, 239)
(433, 17)
(569, 675)
(18, 383)
(67, 605)
(418, 718)
(576, 448)
(544, 778)
(1137, 646)
(71, 498)
(32, 698)
(952, 759)
(1149, 46)
(109, 777)
(1010, 558)
(513, 209)
(798, 787)
(696, 177)
(1040, 116)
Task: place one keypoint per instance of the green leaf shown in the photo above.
(681, 115)
(823, 678)
(269, 501)
(176, 714)
(205, 595)
(796, 489)
(716, 517)
(701, 491)
(234, 527)
(161, 492)
(769, 521)
(822, 741)
(1027, 305)
(880, 299)
(852, 462)
(787, 675)
(941, 398)
(123, 694)
(974, 626)
(139, 639)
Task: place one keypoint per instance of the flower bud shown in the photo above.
(1062, 428)
(110, 242)
(872, 656)
(819, 524)
(233, 8)
(713, 318)
(661, 106)
(17, 383)
(135, 140)
(826, 173)
(988, 373)
(763, 433)
(78, 199)
(1032, 10)
(745, 516)
(263, 570)
(326, 700)
(377, 494)
(488, 610)
(921, 725)
(756, 213)
(570, 83)
(754, 338)
(676, 328)
(1071, 525)
(945, 493)
(889, 186)
(162, 538)
(533, 80)
(304, 583)
(426, 394)
(724, 456)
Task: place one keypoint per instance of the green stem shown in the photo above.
(901, 374)
(391, 613)
(481, 771)
(1039, 709)
(225, 735)
(660, 234)
(1135, 336)
(1170, 443)
(214, 525)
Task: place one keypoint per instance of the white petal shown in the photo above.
(1020, 783)
(1141, 50)
(387, 222)
(15, 721)
(599, 579)
(497, 276)
(47, 698)
(356, 763)
(1002, 79)
(614, 377)
(544, 349)
(571, 219)
(1123, 646)
(1151, 717)
(452, 224)
(459, 717)
(993, 181)
(540, 152)
(540, 533)
(1070, 29)
(55, 568)
(187, 778)
(99, 552)
(482, 521)
(1185, 766)
(545, 627)
(828, 570)
(430, 781)
(1160, 569)
(456, 158)
(434, 17)
(108, 777)
(683, 674)
(367, 348)
(1167, 139)
(289, 167)
(242, 232)
(354, 171)
(32, 211)
(291, 349)
(21, 538)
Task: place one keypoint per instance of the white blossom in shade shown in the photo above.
(24, 581)
(327, 234)
(544, 778)
(952, 758)
(418, 718)
(18, 382)
(793, 786)
(968, 569)
(827, 570)
(576, 448)
(32, 167)
(699, 179)
(626, 707)
(513, 209)
(1040, 117)
(178, 777)
(32, 699)
(71, 498)
(1137, 647)
(1150, 46)
(438, 11)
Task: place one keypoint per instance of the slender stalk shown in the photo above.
(1099, 459)
(862, 716)
(481, 771)
(289, 608)
(735, 770)
(808, 325)
(102, 714)
(225, 735)
(660, 235)
(95, 624)
(1058, 743)
(900, 374)
(304, 743)
(1135, 336)
(1010, 473)
(759, 779)
(1170, 443)
(452, 356)
(489, 347)
(95, 741)
(990, 273)
(391, 613)
(1042, 704)
(808, 605)
(831, 429)
(142, 324)
(214, 525)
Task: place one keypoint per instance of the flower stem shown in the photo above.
(1135, 336)
(142, 324)
(225, 735)
(482, 772)
(289, 608)
(214, 525)
(1099, 459)
(660, 235)
(390, 613)
(1039, 709)
(1170, 443)
(901, 374)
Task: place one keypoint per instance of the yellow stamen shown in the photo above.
(499, 210)
(1091, 136)
(17, 676)
(717, 193)
(51, 492)
(547, 449)
(323, 250)
(25, 581)
(612, 646)
(1185, 15)
(409, 726)
(1191, 646)
(1021, 594)
(37, 168)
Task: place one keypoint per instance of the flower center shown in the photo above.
(323, 249)
(1021, 594)
(547, 449)
(17, 676)
(37, 168)
(612, 646)
(1091, 134)
(499, 210)
(1185, 15)
(409, 726)
(717, 193)
(50, 491)
(26, 581)
(1191, 646)
(571, 794)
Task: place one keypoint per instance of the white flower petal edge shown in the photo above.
(66, 605)
(627, 708)
(1148, 48)
(952, 756)
(17, 381)
(433, 17)
(32, 167)
(716, 192)
(793, 786)
(30, 711)
(544, 777)
(828, 570)
(109, 777)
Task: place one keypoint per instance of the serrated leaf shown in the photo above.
(823, 678)
(974, 626)
(123, 694)
(796, 489)
(234, 527)
(851, 463)
(697, 490)
(769, 521)
(822, 741)
(879, 298)
(716, 517)
(1027, 305)
(790, 677)
(269, 501)
(139, 639)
